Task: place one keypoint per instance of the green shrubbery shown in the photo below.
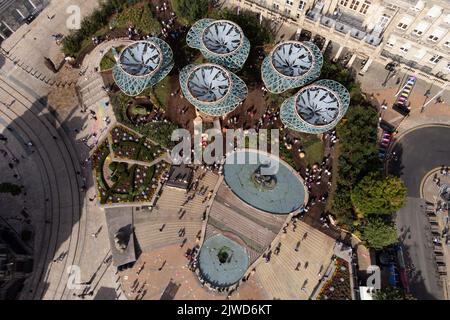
(364, 200)
(160, 132)
(142, 17)
(190, 11)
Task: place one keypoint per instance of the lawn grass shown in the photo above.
(108, 61)
(161, 92)
(313, 148)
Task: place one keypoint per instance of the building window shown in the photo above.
(420, 28)
(287, 11)
(405, 22)
(365, 6)
(434, 12)
(402, 25)
(391, 41)
(344, 3)
(354, 5)
(448, 65)
(447, 44)
(289, 3)
(437, 34)
(276, 6)
(435, 59)
(405, 47)
(301, 5)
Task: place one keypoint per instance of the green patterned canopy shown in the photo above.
(316, 108)
(212, 89)
(291, 64)
(221, 42)
(143, 64)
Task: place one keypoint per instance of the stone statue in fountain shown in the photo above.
(264, 182)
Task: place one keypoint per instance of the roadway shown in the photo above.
(419, 151)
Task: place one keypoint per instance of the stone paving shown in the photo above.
(430, 191)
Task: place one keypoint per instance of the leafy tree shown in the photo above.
(390, 293)
(189, 10)
(358, 150)
(375, 194)
(342, 206)
(358, 142)
(378, 233)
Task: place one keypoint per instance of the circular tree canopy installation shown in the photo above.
(316, 108)
(141, 58)
(292, 59)
(212, 89)
(209, 83)
(143, 64)
(317, 105)
(291, 64)
(221, 42)
(223, 37)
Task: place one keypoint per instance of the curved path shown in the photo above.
(419, 151)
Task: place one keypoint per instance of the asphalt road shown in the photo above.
(419, 152)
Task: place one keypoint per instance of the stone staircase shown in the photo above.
(279, 277)
(90, 91)
(167, 212)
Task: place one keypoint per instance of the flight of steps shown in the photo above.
(150, 238)
(167, 212)
(279, 277)
(90, 91)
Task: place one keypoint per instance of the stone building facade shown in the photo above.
(414, 33)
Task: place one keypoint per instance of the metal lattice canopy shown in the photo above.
(143, 64)
(316, 108)
(221, 42)
(212, 89)
(291, 64)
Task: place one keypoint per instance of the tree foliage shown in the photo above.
(190, 11)
(357, 133)
(390, 293)
(378, 233)
(375, 194)
(90, 25)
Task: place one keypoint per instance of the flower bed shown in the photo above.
(127, 182)
(338, 287)
(127, 145)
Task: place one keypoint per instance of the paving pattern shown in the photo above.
(279, 276)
